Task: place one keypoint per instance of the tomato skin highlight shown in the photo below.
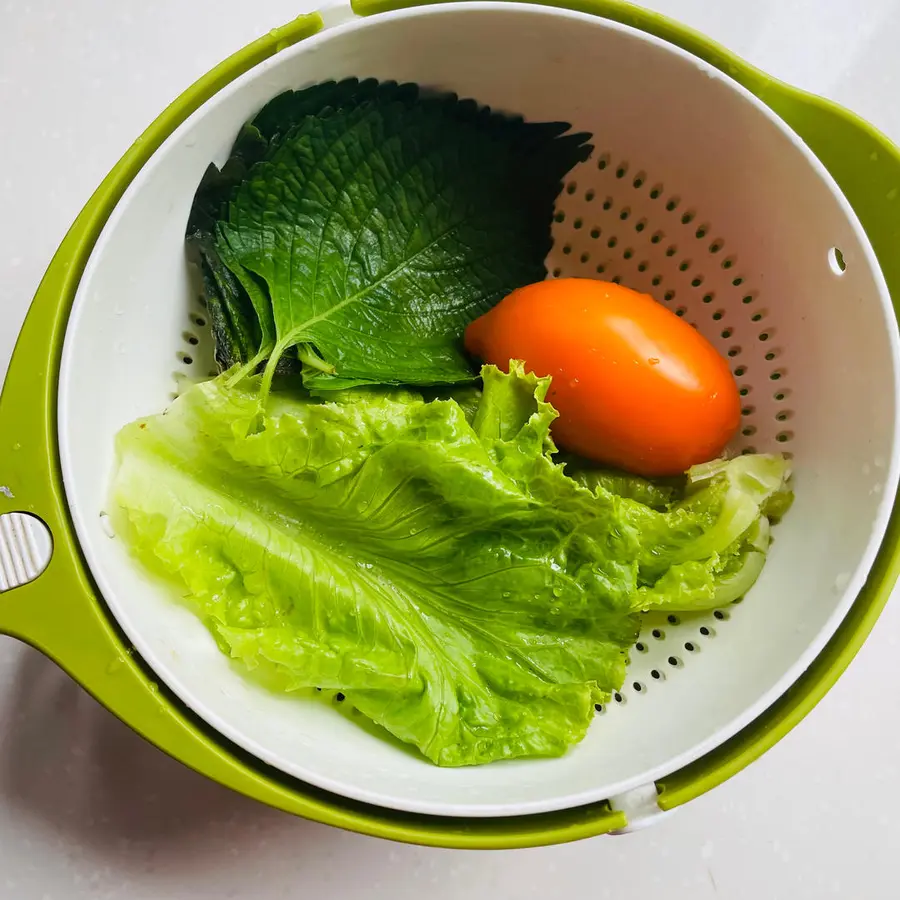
(636, 386)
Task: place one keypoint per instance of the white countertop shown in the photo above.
(88, 810)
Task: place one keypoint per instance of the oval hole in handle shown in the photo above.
(26, 546)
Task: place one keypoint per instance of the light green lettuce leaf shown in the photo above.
(430, 561)
(371, 545)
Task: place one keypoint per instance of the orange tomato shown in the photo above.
(636, 387)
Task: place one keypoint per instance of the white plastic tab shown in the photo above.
(641, 808)
(336, 12)
(25, 549)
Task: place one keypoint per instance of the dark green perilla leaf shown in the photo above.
(234, 323)
(367, 224)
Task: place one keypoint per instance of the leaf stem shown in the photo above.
(305, 353)
(249, 367)
(308, 356)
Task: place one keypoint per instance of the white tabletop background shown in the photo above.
(88, 810)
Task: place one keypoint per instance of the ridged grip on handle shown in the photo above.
(25, 549)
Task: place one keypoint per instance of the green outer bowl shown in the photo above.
(63, 615)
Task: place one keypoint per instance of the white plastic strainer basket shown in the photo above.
(698, 194)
